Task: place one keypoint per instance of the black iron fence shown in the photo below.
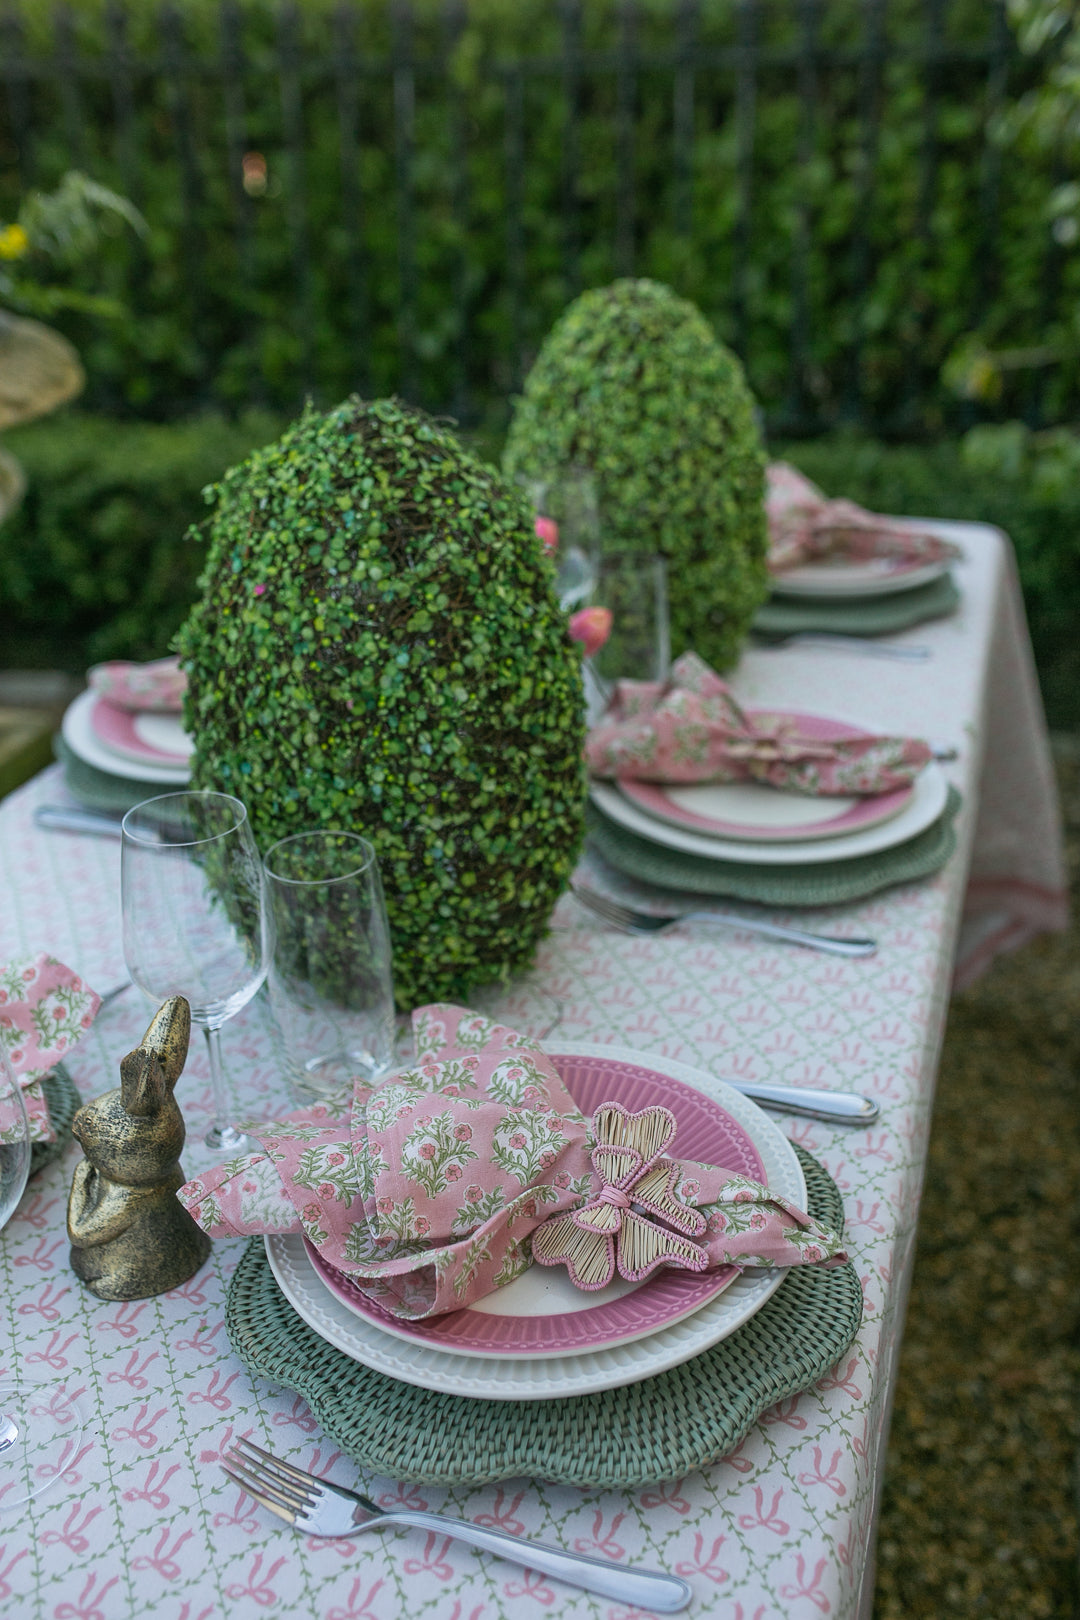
(402, 197)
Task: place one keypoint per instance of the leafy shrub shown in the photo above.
(378, 648)
(632, 384)
(95, 563)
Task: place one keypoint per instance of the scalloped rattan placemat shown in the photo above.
(63, 1100)
(643, 1433)
(830, 883)
(864, 616)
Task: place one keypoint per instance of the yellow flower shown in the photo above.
(13, 242)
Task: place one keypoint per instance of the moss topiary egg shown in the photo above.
(378, 648)
(632, 383)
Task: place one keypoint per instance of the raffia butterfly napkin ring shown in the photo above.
(608, 1233)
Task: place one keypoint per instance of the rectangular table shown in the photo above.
(143, 1516)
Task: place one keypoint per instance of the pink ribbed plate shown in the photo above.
(542, 1313)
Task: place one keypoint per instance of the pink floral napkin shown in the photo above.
(805, 526)
(691, 729)
(45, 1009)
(159, 686)
(426, 1190)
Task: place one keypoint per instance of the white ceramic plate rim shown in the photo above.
(524, 1378)
(682, 798)
(824, 580)
(923, 809)
(81, 738)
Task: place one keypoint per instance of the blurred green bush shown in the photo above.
(95, 564)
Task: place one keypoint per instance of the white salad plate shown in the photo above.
(877, 576)
(921, 811)
(78, 732)
(523, 1377)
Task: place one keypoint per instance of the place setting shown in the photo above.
(842, 577)
(122, 740)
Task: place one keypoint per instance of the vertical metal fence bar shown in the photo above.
(988, 239)
(924, 215)
(745, 121)
(121, 82)
(404, 81)
(67, 77)
(570, 15)
(626, 100)
(453, 27)
(514, 158)
(231, 25)
(292, 128)
(802, 237)
(176, 72)
(14, 72)
(682, 117)
(347, 92)
(871, 67)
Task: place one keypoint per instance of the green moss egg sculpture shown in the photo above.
(378, 649)
(632, 383)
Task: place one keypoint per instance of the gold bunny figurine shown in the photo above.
(130, 1237)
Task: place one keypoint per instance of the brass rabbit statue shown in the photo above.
(130, 1237)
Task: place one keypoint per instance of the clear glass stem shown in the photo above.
(221, 1136)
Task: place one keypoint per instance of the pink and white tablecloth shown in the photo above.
(144, 1518)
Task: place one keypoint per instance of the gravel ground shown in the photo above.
(980, 1505)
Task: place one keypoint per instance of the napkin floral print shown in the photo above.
(45, 1009)
(692, 729)
(426, 1191)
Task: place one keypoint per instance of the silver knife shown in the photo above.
(65, 818)
(834, 1107)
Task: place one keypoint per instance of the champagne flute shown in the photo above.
(39, 1423)
(194, 920)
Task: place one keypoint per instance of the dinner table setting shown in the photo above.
(583, 1293)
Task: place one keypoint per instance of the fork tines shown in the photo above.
(283, 1489)
(610, 910)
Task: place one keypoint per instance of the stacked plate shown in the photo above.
(746, 823)
(114, 758)
(874, 576)
(540, 1337)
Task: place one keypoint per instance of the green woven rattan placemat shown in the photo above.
(867, 616)
(100, 790)
(658, 1429)
(63, 1100)
(828, 884)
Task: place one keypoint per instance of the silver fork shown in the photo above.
(828, 641)
(321, 1509)
(628, 921)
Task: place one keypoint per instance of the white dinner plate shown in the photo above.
(877, 576)
(922, 810)
(523, 1378)
(81, 738)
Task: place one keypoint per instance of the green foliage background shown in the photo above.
(238, 300)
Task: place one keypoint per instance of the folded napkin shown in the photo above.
(691, 729)
(805, 526)
(45, 1009)
(426, 1190)
(159, 685)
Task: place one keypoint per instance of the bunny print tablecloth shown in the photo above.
(141, 1514)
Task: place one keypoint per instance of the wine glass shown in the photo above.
(567, 496)
(194, 920)
(39, 1423)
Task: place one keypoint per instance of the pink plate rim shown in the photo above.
(654, 799)
(707, 1132)
(115, 727)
